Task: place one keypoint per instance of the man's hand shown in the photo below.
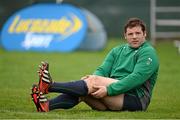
(100, 92)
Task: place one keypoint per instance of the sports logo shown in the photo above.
(45, 27)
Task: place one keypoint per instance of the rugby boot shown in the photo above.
(43, 102)
(35, 96)
(44, 78)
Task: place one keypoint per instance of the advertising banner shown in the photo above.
(45, 27)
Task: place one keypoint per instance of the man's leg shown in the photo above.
(63, 101)
(72, 90)
(106, 103)
(84, 88)
(94, 103)
(75, 88)
(81, 88)
(111, 102)
(114, 102)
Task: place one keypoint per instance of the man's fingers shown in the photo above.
(96, 87)
(95, 94)
(100, 91)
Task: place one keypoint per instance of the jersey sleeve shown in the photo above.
(146, 65)
(105, 68)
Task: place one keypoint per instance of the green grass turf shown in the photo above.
(18, 73)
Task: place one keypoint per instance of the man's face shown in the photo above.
(135, 36)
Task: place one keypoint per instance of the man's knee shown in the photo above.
(90, 82)
(94, 80)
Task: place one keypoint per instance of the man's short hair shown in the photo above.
(133, 22)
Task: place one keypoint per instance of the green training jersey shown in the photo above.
(136, 70)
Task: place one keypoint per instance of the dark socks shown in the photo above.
(75, 88)
(63, 101)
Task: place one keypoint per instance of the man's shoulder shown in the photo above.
(147, 47)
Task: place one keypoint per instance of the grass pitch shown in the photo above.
(18, 73)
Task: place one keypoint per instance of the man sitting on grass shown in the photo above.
(123, 82)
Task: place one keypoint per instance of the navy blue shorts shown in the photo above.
(131, 103)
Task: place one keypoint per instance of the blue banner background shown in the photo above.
(21, 33)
